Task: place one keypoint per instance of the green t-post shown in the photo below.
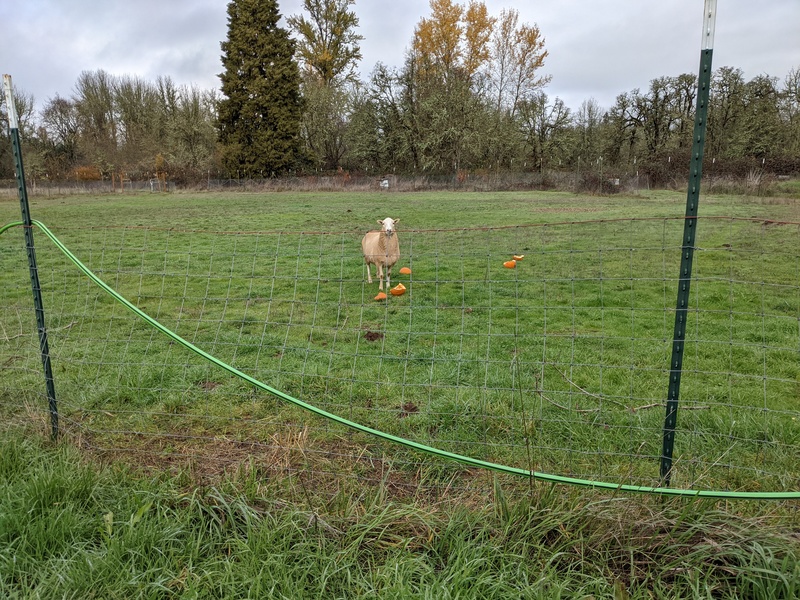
(27, 226)
(687, 245)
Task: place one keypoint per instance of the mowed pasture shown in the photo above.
(559, 365)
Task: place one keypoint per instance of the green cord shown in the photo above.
(393, 438)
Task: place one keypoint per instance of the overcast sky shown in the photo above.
(598, 48)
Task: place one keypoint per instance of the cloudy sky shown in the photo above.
(598, 48)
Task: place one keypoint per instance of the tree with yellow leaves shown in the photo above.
(453, 39)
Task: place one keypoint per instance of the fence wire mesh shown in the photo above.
(558, 365)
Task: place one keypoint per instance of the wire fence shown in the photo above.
(558, 365)
(755, 179)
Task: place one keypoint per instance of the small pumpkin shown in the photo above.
(398, 290)
(380, 296)
(405, 271)
(510, 264)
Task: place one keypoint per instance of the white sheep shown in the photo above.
(381, 248)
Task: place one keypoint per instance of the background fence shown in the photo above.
(559, 365)
(751, 177)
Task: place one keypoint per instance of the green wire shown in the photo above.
(467, 460)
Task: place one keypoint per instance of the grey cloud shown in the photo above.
(598, 48)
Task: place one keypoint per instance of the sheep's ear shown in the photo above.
(396, 221)
(379, 221)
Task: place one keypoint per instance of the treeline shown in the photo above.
(118, 126)
(469, 97)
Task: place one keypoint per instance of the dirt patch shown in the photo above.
(408, 408)
(292, 463)
(372, 336)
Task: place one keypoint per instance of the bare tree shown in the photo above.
(94, 99)
(790, 112)
(518, 55)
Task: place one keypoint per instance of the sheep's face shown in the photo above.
(388, 225)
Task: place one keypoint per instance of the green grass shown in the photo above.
(173, 479)
(560, 365)
(73, 530)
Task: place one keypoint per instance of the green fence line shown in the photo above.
(467, 460)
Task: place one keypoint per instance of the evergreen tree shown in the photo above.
(261, 111)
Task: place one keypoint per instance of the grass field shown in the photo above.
(559, 365)
(72, 530)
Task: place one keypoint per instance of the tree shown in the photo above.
(621, 143)
(384, 132)
(24, 106)
(758, 136)
(790, 112)
(328, 50)
(437, 40)
(191, 129)
(62, 130)
(653, 115)
(684, 100)
(325, 122)
(587, 125)
(94, 99)
(453, 42)
(363, 135)
(328, 43)
(260, 113)
(657, 120)
(546, 126)
(442, 78)
(140, 123)
(477, 33)
(469, 84)
(724, 110)
(517, 53)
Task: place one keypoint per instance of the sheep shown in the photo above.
(381, 248)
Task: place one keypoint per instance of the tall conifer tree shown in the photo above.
(261, 111)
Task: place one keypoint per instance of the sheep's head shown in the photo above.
(388, 225)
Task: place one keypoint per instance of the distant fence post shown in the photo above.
(44, 347)
(687, 246)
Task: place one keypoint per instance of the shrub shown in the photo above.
(88, 173)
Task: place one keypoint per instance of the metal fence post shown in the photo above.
(687, 247)
(44, 347)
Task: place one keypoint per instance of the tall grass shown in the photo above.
(73, 530)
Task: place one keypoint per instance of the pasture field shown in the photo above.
(559, 365)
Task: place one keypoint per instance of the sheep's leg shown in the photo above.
(369, 273)
(379, 267)
(388, 277)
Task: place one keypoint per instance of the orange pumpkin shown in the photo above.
(380, 296)
(405, 271)
(519, 256)
(510, 264)
(398, 290)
